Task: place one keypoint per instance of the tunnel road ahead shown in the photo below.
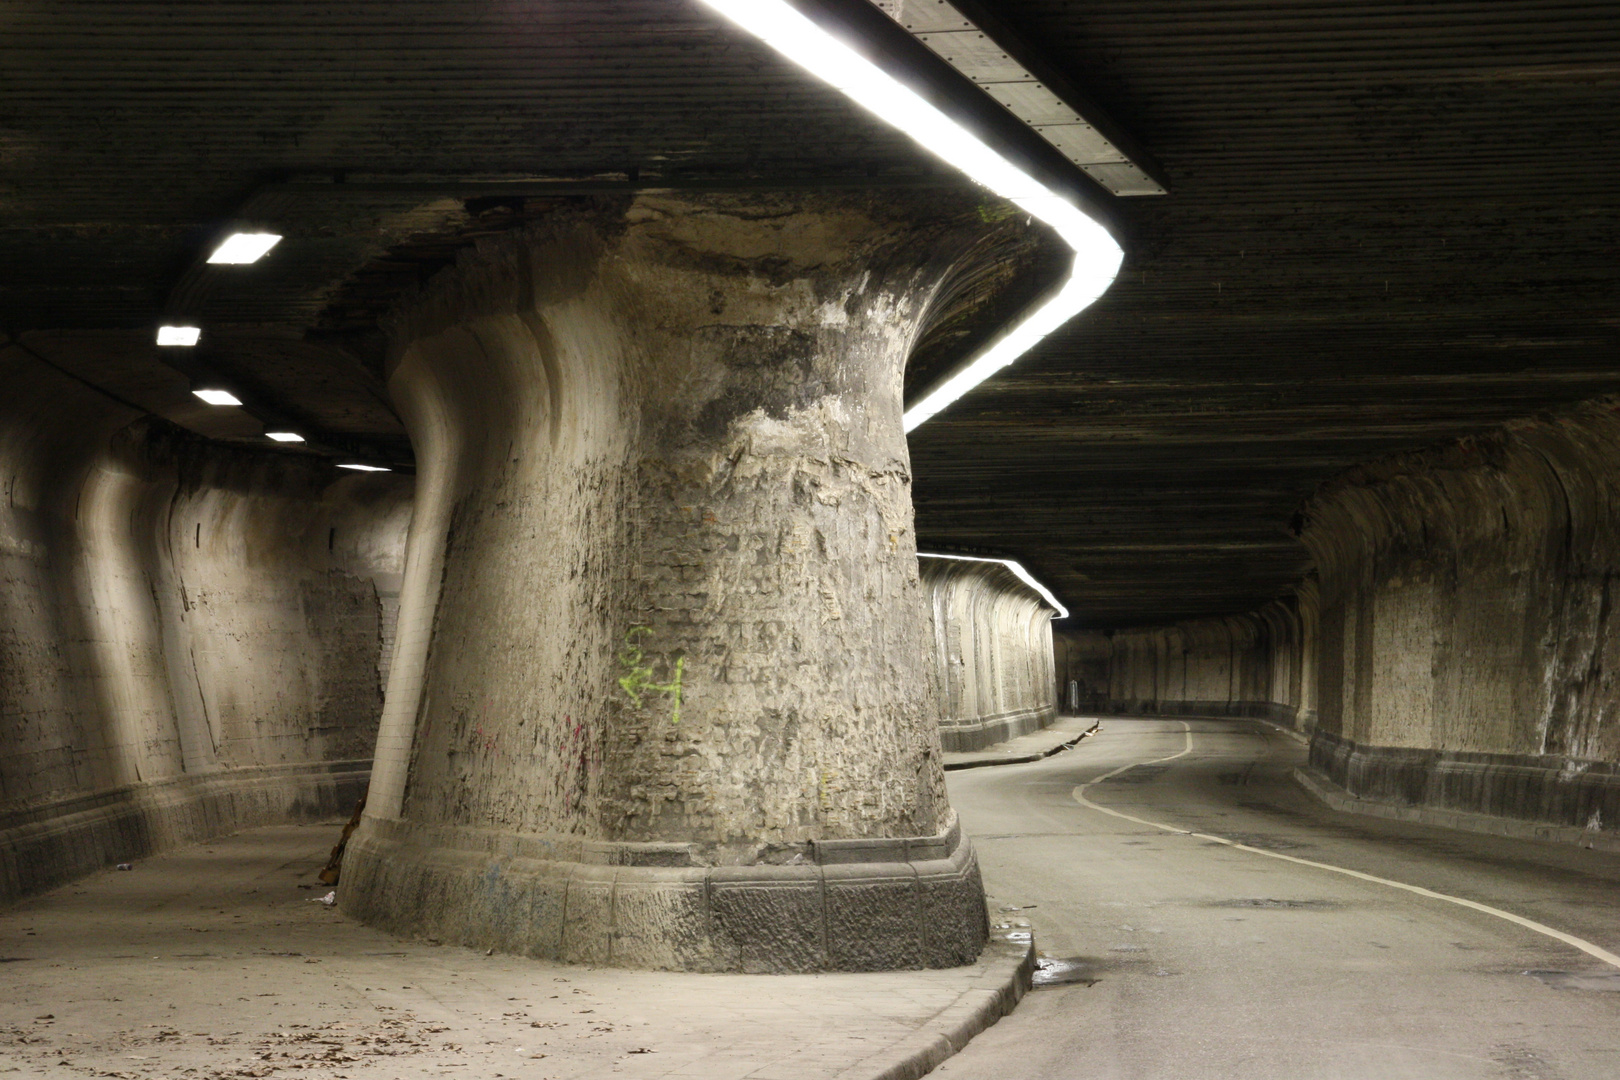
(1145, 860)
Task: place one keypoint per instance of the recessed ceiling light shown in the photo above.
(178, 335)
(284, 436)
(1096, 256)
(363, 468)
(217, 397)
(244, 247)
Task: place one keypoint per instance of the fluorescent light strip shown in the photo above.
(242, 248)
(1017, 568)
(1096, 256)
(357, 467)
(217, 397)
(284, 436)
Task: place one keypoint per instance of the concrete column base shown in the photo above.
(832, 905)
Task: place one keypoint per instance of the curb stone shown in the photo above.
(1010, 967)
(1024, 759)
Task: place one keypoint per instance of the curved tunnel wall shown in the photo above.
(1244, 665)
(192, 637)
(1470, 642)
(992, 652)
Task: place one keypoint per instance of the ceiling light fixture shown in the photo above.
(185, 336)
(1017, 568)
(1096, 256)
(357, 467)
(284, 436)
(217, 397)
(242, 248)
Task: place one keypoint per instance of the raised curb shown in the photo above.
(1010, 967)
(1024, 759)
(1339, 799)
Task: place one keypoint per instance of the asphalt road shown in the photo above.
(1197, 959)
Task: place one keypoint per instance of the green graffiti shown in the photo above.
(638, 676)
(993, 212)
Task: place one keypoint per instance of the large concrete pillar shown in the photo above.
(662, 695)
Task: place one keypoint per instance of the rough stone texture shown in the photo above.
(992, 653)
(1469, 647)
(190, 636)
(661, 584)
(1245, 665)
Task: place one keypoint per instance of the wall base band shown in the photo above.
(1531, 797)
(50, 845)
(987, 731)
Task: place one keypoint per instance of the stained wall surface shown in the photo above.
(1470, 649)
(192, 637)
(992, 652)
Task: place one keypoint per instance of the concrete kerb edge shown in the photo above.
(1297, 736)
(1331, 794)
(1010, 970)
(1024, 759)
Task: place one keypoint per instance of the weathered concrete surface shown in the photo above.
(212, 963)
(992, 653)
(191, 637)
(661, 595)
(1245, 665)
(1469, 650)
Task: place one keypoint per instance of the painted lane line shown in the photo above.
(1079, 794)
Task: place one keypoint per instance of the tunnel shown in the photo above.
(809, 538)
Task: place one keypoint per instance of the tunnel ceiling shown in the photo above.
(1389, 224)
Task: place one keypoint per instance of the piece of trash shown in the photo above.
(126, 866)
(641, 1050)
(47, 1016)
(329, 899)
(489, 952)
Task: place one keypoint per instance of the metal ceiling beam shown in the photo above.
(970, 37)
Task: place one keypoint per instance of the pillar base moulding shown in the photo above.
(838, 905)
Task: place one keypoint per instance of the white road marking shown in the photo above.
(1079, 794)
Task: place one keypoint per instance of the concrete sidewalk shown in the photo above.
(217, 962)
(1064, 732)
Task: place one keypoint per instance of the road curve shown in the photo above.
(1147, 858)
